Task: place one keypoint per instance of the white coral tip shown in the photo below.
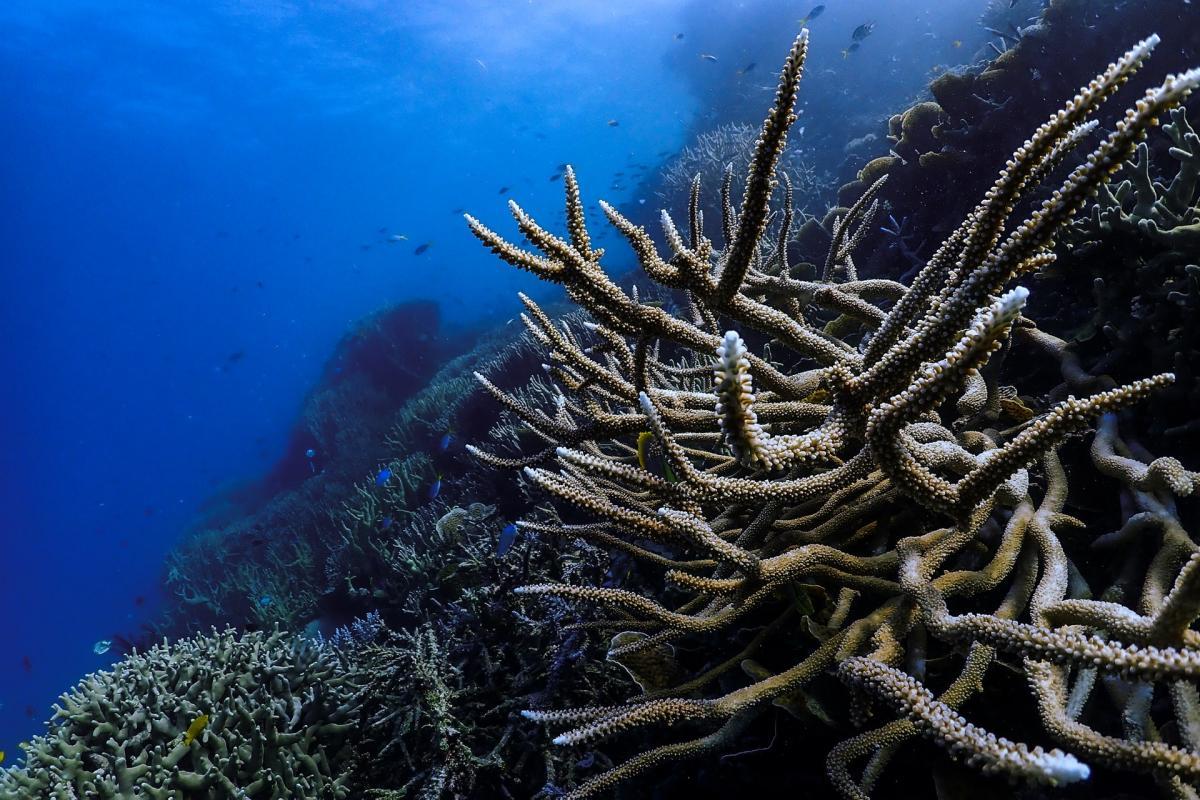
(1062, 767)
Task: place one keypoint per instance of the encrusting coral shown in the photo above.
(849, 457)
(255, 715)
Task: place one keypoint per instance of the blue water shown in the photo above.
(197, 202)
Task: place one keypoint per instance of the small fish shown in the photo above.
(482, 65)
(748, 68)
(194, 730)
(385, 523)
(27, 663)
(853, 46)
(816, 12)
(101, 647)
(445, 442)
(612, 123)
(862, 31)
(555, 177)
(2, 756)
(235, 356)
(956, 43)
(507, 536)
(398, 237)
(421, 248)
(458, 211)
(643, 443)
(310, 453)
(708, 56)
(1012, 3)
(383, 476)
(29, 711)
(679, 37)
(503, 189)
(265, 601)
(435, 488)
(139, 601)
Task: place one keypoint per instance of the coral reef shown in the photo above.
(976, 116)
(286, 560)
(393, 535)
(252, 715)
(1142, 235)
(843, 492)
(712, 152)
(442, 687)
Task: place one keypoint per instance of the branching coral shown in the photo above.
(714, 151)
(836, 466)
(226, 715)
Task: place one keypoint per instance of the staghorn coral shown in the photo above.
(834, 467)
(1166, 214)
(253, 715)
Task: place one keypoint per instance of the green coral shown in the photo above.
(1167, 213)
(280, 712)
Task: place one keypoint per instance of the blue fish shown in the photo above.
(382, 478)
(435, 488)
(310, 453)
(445, 442)
(385, 523)
(265, 600)
(507, 537)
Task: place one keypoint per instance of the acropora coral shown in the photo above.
(843, 491)
(254, 715)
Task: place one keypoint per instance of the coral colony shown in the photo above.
(867, 457)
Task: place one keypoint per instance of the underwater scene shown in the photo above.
(545, 399)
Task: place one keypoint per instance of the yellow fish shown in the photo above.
(1, 756)
(195, 728)
(643, 442)
(957, 43)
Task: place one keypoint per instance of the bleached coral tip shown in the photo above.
(1063, 767)
(560, 740)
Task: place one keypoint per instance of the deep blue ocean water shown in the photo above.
(200, 198)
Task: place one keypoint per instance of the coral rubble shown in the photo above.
(841, 490)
